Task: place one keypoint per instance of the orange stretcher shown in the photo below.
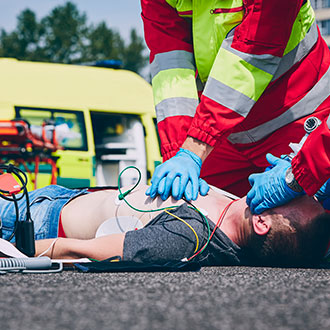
(20, 145)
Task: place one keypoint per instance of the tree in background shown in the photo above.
(65, 37)
(133, 58)
(64, 33)
(24, 42)
(103, 43)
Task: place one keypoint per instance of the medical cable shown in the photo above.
(49, 248)
(187, 224)
(16, 220)
(23, 230)
(29, 265)
(123, 195)
(4, 193)
(20, 175)
(210, 235)
(223, 213)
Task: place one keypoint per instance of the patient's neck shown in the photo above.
(236, 223)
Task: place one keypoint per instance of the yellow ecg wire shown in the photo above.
(186, 223)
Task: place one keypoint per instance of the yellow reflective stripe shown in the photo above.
(301, 26)
(174, 83)
(233, 71)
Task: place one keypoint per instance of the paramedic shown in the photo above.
(232, 82)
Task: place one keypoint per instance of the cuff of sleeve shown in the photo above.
(199, 134)
(169, 150)
(305, 178)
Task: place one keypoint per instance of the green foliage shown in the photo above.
(133, 58)
(65, 37)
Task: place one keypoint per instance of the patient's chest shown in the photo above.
(82, 216)
(145, 208)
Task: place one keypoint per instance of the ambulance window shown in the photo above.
(69, 130)
(70, 126)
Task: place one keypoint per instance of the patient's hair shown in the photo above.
(292, 242)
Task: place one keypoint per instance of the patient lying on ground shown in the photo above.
(296, 234)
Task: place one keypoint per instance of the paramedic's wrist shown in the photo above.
(201, 149)
(291, 182)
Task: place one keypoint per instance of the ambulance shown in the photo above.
(104, 119)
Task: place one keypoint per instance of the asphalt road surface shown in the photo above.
(212, 298)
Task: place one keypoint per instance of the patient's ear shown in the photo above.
(261, 224)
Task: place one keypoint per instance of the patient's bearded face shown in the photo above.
(305, 208)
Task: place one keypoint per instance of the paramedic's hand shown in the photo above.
(177, 176)
(269, 188)
(188, 192)
(323, 195)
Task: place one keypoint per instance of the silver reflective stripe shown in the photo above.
(176, 59)
(328, 122)
(307, 105)
(265, 62)
(176, 106)
(298, 53)
(228, 97)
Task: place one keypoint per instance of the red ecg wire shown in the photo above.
(223, 213)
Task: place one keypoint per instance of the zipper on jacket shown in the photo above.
(226, 10)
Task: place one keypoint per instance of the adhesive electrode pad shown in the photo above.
(117, 225)
(118, 201)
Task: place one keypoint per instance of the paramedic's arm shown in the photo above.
(173, 72)
(168, 36)
(201, 149)
(311, 166)
(69, 248)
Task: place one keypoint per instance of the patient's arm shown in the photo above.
(69, 248)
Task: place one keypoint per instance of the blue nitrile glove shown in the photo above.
(323, 195)
(203, 189)
(188, 193)
(179, 174)
(326, 204)
(269, 189)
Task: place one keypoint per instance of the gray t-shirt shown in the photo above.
(167, 238)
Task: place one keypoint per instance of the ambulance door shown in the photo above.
(119, 143)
